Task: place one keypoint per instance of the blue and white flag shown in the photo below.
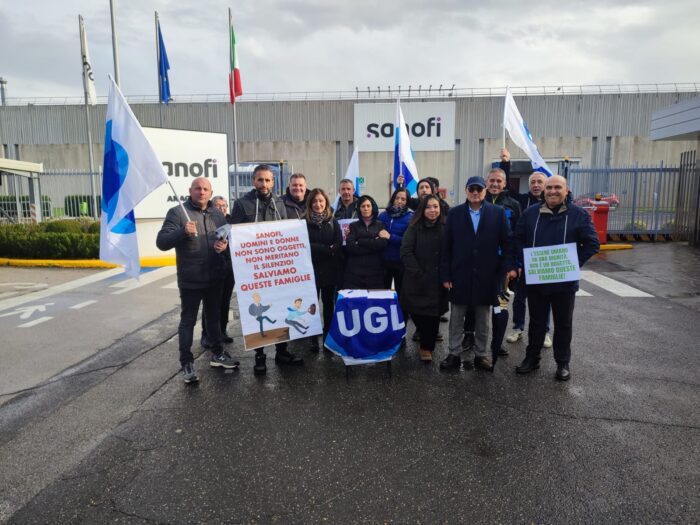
(163, 68)
(404, 162)
(517, 129)
(367, 326)
(131, 171)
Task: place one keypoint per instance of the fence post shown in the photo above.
(657, 197)
(635, 176)
(17, 183)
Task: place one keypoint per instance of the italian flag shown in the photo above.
(234, 77)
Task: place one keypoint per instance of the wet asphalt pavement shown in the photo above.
(119, 438)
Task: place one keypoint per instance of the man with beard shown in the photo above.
(260, 205)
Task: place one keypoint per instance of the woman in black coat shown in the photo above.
(326, 241)
(367, 239)
(423, 295)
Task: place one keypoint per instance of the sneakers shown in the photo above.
(426, 355)
(547, 341)
(223, 360)
(283, 357)
(515, 336)
(188, 374)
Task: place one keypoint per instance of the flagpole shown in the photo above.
(235, 123)
(160, 81)
(115, 51)
(91, 159)
(503, 122)
(398, 124)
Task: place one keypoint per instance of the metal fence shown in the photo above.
(688, 203)
(643, 199)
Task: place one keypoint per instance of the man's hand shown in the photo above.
(384, 234)
(191, 228)
(447, 284)
(220, 246)
(505, 155)
(400, 179)
(513, 275)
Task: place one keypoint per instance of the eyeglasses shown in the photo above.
(475, 189)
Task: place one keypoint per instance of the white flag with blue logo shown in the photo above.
(353, 172)
(517, 129)
(132, 170)
(404, 163)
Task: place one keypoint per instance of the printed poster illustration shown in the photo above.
(275, 283)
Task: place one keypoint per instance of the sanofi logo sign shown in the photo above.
(431, 126)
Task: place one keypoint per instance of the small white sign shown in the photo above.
(345, 228)
(431, 126)
(185, 155)
(551, 264)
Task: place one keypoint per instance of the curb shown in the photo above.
(146, 262)
(613, 247)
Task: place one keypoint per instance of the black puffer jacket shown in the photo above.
(508, 203)
(422, 292)
(364, 267)
(252, 208)
(326, 241)
(198, 265)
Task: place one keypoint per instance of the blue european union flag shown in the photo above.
(163, 68)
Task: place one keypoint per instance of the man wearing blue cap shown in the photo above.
(476, 253)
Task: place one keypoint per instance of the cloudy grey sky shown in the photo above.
(316, 45)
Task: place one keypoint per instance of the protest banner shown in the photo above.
(345, 228)
(551, 264)
(275, 284)
(367, 326)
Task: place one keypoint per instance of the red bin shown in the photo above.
(599, 213)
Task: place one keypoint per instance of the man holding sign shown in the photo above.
(554, 239)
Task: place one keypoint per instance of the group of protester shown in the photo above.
(438, 259)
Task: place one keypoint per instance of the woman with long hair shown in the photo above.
(396, 218)
(365, 245)
(423, 296)
(326, 241)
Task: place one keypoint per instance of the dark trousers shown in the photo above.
(520, 305)
(562, 306)
(393, 271)
(328, 295)
(189, 307)
(427, 326)
(226, 294)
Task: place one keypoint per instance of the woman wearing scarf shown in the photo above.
(423, 295)
(367, 239)
(326, 242)
(396, 218)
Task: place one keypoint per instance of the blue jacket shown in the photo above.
(474, 262)
(396, 226)
(570, 224)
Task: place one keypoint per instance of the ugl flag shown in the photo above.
(88, 78)
(131, 171)
(234, 77)
(404, 163)
(517, 129)
(353, 172)
(163, 68)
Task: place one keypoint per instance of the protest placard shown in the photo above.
(275, 284)
(551, 264)
(345, 227)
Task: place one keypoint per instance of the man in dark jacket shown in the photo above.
(554, 222)
(261, 205)
(347, 205)
(200, 272)
(295, 197)
(475, 255)
(535, 195)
